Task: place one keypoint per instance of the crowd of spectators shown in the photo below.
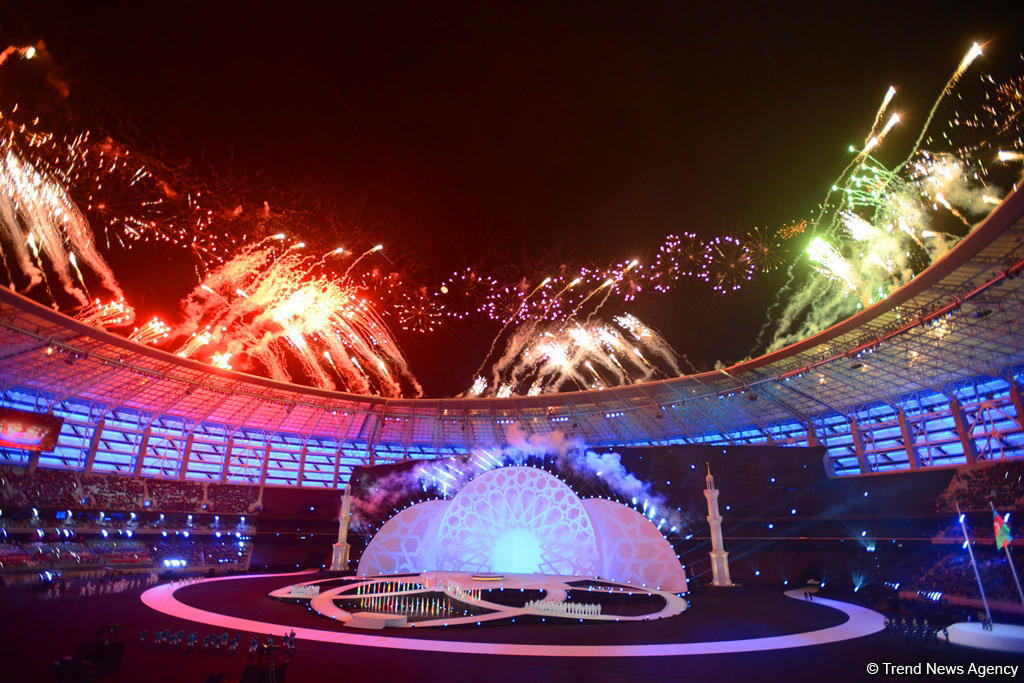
(113, 492)
(15, 558)
(952, 574)
(176, 496)
(73, 490)
(51, 487)
(105, 555)
(231, 498)
(63, 555)
(225, 552)
(1001, 483)
(117, 552)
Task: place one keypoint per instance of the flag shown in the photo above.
(1003, 536)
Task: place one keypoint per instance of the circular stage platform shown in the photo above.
(1002, 637)
(751, 622)
(443, 599)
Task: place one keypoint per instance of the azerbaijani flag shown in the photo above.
(1003, 536)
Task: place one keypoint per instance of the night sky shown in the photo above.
(515, 137)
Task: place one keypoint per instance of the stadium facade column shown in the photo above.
(908, 440)
(963, 431)
(858, 446)
(94, 444)
(186, 456)
(340, 550)
(301, 476)
(1018, 404)
(827, 462)
(337, 463)
(225, 468)
(719, 557)
(141, 455)
(371, 442)
(33, 462)
(266, 466)
(812, 436)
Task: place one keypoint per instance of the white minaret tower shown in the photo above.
(339, 556)
(719, 558)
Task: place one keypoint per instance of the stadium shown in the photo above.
(824, 508)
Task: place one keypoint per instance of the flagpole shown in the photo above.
(1009, 560)
(977, 575)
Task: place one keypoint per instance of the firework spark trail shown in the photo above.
(269, 304)
(153, 331)
(968, 59)
(558, 296)
(878, 233)
(508, 322)
(36, 211)
(103, 315)
(371, 250)
(27, 52)
(614, 280)
(544, 357)
(837, 183)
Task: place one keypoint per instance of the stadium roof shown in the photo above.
(957, 327)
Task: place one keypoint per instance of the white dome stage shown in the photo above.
(522, 520)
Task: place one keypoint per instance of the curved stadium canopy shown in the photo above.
(927, 377)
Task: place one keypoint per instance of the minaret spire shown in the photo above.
(339, 554)
(719, 558)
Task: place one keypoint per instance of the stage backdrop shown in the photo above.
(524, 520)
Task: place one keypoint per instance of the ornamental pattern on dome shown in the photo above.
(517, 519)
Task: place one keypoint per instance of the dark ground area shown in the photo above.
(34, 631)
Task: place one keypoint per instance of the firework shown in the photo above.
(463, 293)
(876, 227)
(419, 312)
(153, 332)
(103, 315)
(791, 230)
(730, 264)
(270, 303)
(43, 230)
(546, 358)
(765, 247)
